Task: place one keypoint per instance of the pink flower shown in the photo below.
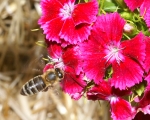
(144, 8)
(120, 108)
(105, 49)
(65, 22)
(68, 61)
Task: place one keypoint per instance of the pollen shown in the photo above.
(66, 11)
(114, 52)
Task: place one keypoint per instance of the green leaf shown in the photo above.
(139, 89)
(109, 6)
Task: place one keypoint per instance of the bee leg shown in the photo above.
(45, 90)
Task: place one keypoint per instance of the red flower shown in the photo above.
(68, 61)
(120, 108)
(105, 48)
(65, 22)
(144, 8)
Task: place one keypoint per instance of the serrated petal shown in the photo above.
(133, 4)
(74, 34)
(108, 24)
(121, 109)
(50, 32)
(50, 10)
(85, 12)
(72, 83)
(126, 74)
(93, 62)
(100, 91)
(54, 50)
(135, 48)
(72, 59)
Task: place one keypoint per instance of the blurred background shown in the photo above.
(21, 60)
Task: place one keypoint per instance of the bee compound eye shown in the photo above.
(59, 73)
(51, 76)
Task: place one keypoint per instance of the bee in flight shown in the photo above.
(42, 82)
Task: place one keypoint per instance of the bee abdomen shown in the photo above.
(33, 86)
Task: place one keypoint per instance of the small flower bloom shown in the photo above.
(66, 22)
(120, 108)
(128, 28)
(105, 48)
(68, 61)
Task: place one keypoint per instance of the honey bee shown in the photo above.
(42, 82)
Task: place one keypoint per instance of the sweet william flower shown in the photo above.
(144, 8)
(120, 108)
(105, 48)
(68, 61)
(66, 22)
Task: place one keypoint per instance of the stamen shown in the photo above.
(67, 10)
(113, 52)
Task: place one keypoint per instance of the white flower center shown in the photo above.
(58, 63)
(114, 52)
(113, 99)
(67, 10)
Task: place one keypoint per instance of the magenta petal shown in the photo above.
(147, 58)
(126, 74)
(72, 83)
(71, 58)
(74, 34)
(99, 92)
(94, 64)
(147, 18)
(52, 29)
(76, 96)
(135, 48)
(50, 10)
(85, 12)
(108, 24)
(94, 68)
(133, 4)
(121, 109)
(48, 66)
(144, 7)
(54, 50)
(145, 11)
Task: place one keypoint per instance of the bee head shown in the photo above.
(59, 73)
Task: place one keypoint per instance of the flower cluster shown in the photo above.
(104, 51)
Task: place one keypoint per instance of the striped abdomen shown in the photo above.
(33, 86)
